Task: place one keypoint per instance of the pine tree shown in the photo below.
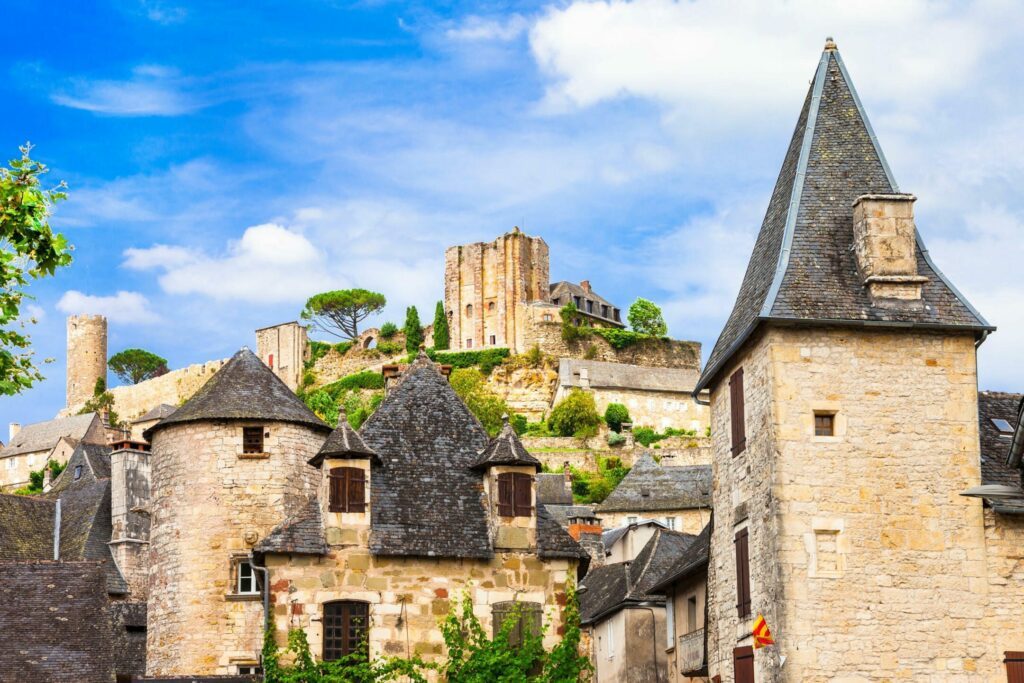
(413, 330)
(442, 337)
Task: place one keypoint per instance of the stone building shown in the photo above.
(412, 513)
(685, 586)
(284, 348)
(87, 357)
(140, 424)
(844, 424)
(226, 467)
(678, 497)
(32, 446)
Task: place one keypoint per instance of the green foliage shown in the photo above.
(485, 359)
(590, 353)
(537, 429)
(136, 365)
(620, 339)
(388, 330)
(324, 405)
(442, 335)
(647, 435)
(614, 415)
(471, 386)
(317, 350)
(37, 477)
(29, 250)
(343, 347)
(359, 406)
(390, 348)
(571, 330)
(593, 487)
(413, 330)
(366, 379)
(102, 401)
(339, 312)
(615, 439)
(645, 317)
(534, 357)
(519, 424)
(575, 415)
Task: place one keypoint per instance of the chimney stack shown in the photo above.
(584, 525)
(12, 431)
(585, 284)
(885, 244)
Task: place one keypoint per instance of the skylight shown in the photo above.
(1003, 426)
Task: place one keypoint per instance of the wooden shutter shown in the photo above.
(356, 489)
(336, 480)
(506, 486)
(1014, 666)
(523, 497)
(743, 664)
(737, 412)
(742, 573)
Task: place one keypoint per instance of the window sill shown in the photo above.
(243, 597)
(253, 456)
(670, 650)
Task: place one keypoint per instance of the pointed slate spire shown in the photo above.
(244, 389)
(343, 443)
(506, 449)
(803, 267)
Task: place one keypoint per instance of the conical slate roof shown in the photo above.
(344, 442)
(244, 389)
(803, 267)
(505, 449)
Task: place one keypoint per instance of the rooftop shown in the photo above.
(42, 436)
(651, 487)
(601, 374)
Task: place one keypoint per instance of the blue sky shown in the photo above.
(225, 160)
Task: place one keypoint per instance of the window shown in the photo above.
(610, 637)
(824, 424)
(742, 574)
(527, 616)
(249, 669)
(691, 614)
(515, 494)
(604, 311)
(345, 624)
(547, 317)
(270, 361)
(347, 489)
(252, 439)
(1004, 427)
(670, 621)
(743, 664)
(631, 520)
(670, 522)
(494, 340)
(78, 472)
(737, 414)
(490, 306)
(469, 310)
(245, 579)
(578, 301)
(590, 306)
(469, 343)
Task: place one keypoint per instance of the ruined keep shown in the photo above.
(87, 357)
(226, 467)
(284, 348)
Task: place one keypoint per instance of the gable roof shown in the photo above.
(650, 487)
(659, 556)
(554, 541)
(803, 267)
(243, 389)
(42, 436)
(693, 560)
(506, 449)
(343, 442)
(158, 413)
(551, 489)
(94, 460)
(301, 535)
(613, 536)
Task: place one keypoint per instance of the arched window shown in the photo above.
(490, 306)
(346, 623)
(469, 310)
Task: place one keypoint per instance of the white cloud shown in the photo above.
(475, 28)
(123, 307)
(162, 12)
(151, 91)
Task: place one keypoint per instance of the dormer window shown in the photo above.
(252, 439)
(515, 494)
(78, 472)
(1004, 427)
(347, 489)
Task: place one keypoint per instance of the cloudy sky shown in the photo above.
(225, 163)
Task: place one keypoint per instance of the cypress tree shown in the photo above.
(413, 330)
(442, 337)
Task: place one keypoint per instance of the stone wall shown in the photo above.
(1004, 556)
(332, 366)
(527, 391)
(210, 505)
(865, 560)
(688, 520)
(657, 409)
(87, 357)
(284, 349)
(129, 516)
(683, 643)
(629, 646)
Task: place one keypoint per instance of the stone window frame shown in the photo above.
(839, 422)
(249, 440)
(819, 527)
(235, 564)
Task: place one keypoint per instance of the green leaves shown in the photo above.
(340, 311)
(645, 318)
(442, 335)
(575, 415)
(413, 330)
(136, 365)
(29, 250)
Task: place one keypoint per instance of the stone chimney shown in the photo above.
(129, 512)
(12, 431)
(584, 525)
(886, 248)
(585, 284)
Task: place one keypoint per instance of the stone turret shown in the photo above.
(226, 468)
(87, 357)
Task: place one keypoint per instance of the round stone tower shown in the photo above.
(87, 356)
(227, 467)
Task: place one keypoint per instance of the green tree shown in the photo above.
(102, 402)
(442, 335)
(29, 250)
(645, 318)
(614, 415)
(136, 365)
(471, 386)
(37, 477)
(388, 330)
(571, 329)
(413, 330)
(575, 415)
(339, 312)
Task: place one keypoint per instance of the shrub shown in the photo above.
(616, 439)
(620, 339)
(360, 380)
(614, 415)
(343, 347)
(519, 424)
(571, 330)
(323, 405)
(442, 335)
(536, 429)
(390, 348)
(645, 317)
(485, 359)
(37, 477)
(646, 436)
(575, 415)
(471, 386)
(590, 353)
(317, 350)
(534, 357)
(388, 330)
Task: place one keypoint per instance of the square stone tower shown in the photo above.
(284, 348)
(488, 284)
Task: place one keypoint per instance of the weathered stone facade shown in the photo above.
(688, 520)
(284, 348)
(87, 357)
(130, 517)
(211, 503)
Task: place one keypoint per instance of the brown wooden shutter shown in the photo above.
(356, 489)
(743, 664)
(523, 497)
(737, 412)
(336, 481)
(1014, 666)
(506, 487)
(742, 573)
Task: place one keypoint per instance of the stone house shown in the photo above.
(685, 588)
(593, 308)
(656, 397)
(32, 446)
(845, 427)
(625, 616)
(148, 419)
(677, 496)
(623, 543)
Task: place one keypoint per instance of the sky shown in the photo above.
(226, 160)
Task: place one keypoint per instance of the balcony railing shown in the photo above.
(691, 651)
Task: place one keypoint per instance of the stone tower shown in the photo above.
(284, 349)
(488, 284)
(844, 428)
(226, 468)
(87, 357)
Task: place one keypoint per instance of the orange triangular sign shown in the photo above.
(762, 636)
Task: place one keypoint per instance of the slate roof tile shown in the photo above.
(344, 442)
(301, 535)
(650, 487)
(506, 449)
(42, 436)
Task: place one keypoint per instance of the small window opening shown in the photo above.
(270, 361)
(515, 494)
(824, 424)
(78, 472)
(345, 623)
(347, 489)
(252, 439)
(469, 343)
(490, 306)
(469, 310)
(494, 340)
(245, 579)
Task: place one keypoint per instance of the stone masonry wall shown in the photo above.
(1004, 545)
(688, 520)
(210, 504)
(87, 356)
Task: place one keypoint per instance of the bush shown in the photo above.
(360, 380)
(534, 357)
(575, 415)
(317, 350)
(390, 348)
(614, 415)
(485, 359)
(519, 424)
(593, 487)
(388, 330)
(343, 347)
(645, 317)
(323, 405)
(646, 436)
(620, 339)
(37, 477)
(571, 330)
(616, 439)
(590, 353)
(536, 429)
(471, 386)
